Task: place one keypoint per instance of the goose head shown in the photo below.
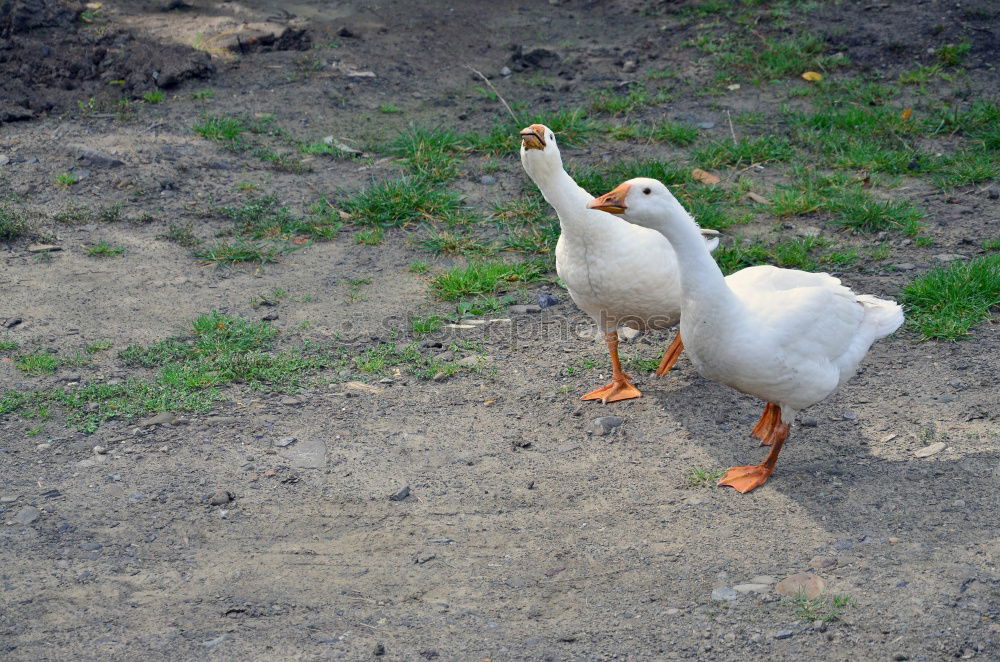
(641, 201)
(539, 151)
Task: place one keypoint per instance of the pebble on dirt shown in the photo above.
(27, 515)
(220, 498)
(400, 494)
(605, 424)
(804, 583)
(933, 449)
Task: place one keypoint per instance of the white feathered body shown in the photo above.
(617, 272)
(786, 336)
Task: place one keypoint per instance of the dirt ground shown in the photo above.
(526, 534)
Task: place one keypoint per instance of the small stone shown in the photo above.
(849, 415)
(630, 66)
(468, 361)
(724, 594)
(948, 257)
(439, 376)
(958, 503)
(91, 546)
(4, 159)
(27, 515)
(810, 231)
(220, 498)
(306, 453)
(927, 451)
(783, 634)
(545, 300)
(100, 450)
(285, 441)
(671, 611)
(70, 377)
(706, 125)
(900, 657)
(605, 424)
(96, 158)
(568, 448)
(752, 588)
(163, 418)
(9, 498)
(400, 494)
(805, 583)
(379, 649)
(43, 248)
(946, 398)
(763, 579)
(893, 540)
(505, 71)
(44, 446)
(522, 309)
(821, 562)
(487, 180)
(809, 422)
(289, 401)
(627, 333)
(904, 266)
(993, 193)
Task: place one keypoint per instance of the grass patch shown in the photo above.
(66, 179)
(421, 326)
(371, 237)
(181, 234)
(947, 302)
(847, 202)
(667, 131)
(429, 153)
(218, 350)
(776, 57)
(479, 278)
(265, 217)
(80, 214)
(38, 363)
(699, 477)
(223, 252)
(154, 96)
(104, 249)
(8, 345)
(401, 201)
(821, 608)
(745, 151)
(13, 222)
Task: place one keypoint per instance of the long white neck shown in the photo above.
(702, 282)
(558, 187)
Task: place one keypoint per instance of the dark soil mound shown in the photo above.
(48, 63)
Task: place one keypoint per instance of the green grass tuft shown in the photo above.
(104, 249)
(401, 201)
(947, 302)
(480, 278)
(13, 222)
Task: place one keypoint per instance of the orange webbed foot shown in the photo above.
(746, 479)
(617, 389)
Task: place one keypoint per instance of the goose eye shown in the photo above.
(551, 137)
(646, 191)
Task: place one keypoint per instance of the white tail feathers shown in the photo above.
(711, 238)
(881, 315)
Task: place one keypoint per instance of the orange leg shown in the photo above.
(765, 426)
(745, 479)
(671, 355)
(619, 388)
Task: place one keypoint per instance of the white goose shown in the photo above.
(615, 272)
(789, 337)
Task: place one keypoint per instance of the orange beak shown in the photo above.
(613, 201)
(533, 137)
